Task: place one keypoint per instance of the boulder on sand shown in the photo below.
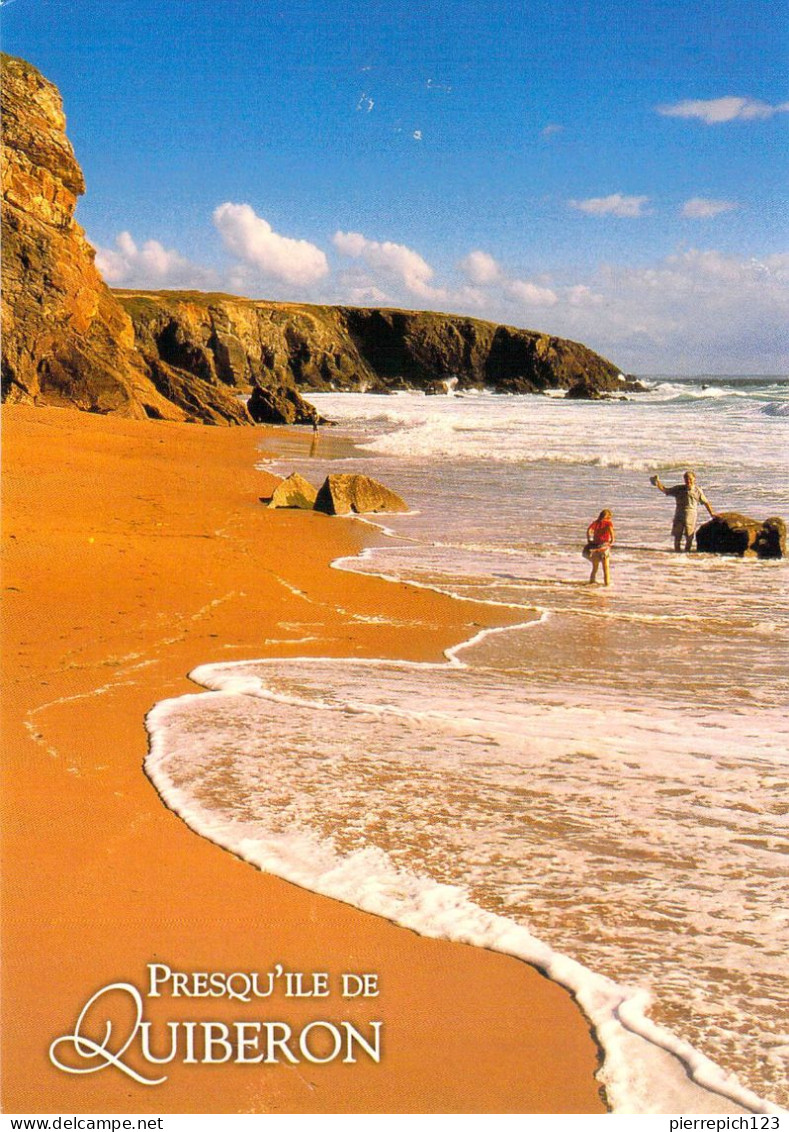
(732, 533)
(294, 492)
(358, 494)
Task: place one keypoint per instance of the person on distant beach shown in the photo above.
(600, 539)
(687, 495)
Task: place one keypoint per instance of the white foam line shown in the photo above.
(452, 653)
(367, 553)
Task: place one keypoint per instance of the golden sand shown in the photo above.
(133, 552)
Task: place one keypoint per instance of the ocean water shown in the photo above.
(600, 790)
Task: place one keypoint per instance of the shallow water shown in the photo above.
(610, 780)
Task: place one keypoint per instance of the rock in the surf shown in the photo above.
(732, 533)
(281, 403)
(583, 391)
(294, 492)
(346, 494)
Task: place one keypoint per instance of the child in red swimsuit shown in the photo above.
(600, 536)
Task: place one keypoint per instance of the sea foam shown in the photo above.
(646, 1066)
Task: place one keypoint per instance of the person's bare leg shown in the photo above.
(688, 543)
(606, 570)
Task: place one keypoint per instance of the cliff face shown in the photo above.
(69, 340)
(273, 346)
(66, 339)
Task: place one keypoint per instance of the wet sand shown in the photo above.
(134, 551)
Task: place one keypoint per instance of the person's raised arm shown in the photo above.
(655, 480)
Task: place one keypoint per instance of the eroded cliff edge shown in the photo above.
(69, 340)
(271, 347)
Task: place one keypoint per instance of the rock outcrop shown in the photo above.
(66, 338)
(356, 494)
(732, 533)
(294, 492)
(221, 342)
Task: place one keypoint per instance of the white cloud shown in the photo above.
(252, 239)
(367, 296)
(480, 267)
(579, 295)
(395, 261)
(530, 294)
(551, 129)
(613, 205)
(484, 271)
(696, 309)
(417, 135)
(151, 265)
(701, 208)
(729, 109)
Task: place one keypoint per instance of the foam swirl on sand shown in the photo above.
(199, 743)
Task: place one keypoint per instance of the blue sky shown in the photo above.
(613, 172)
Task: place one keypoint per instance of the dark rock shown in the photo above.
(294, 492)
(583, 391)
(346, 494)
(281, 405)
(632, 384)
(731, 533)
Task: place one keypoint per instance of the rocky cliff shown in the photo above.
(274, 346)
(68, 339)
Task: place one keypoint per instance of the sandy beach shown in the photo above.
(135, 551)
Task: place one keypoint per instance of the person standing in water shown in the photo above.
(687, 497)
(600, 539)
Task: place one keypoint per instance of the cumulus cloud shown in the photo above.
(530, 294)
(614, 205)
(695, 309)
(580, 295)
(394, 261)
(371, 296)
(701, 208)
(150, 265)
(253, 241)
(485, 272)
(728, 109)
(480, 267)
